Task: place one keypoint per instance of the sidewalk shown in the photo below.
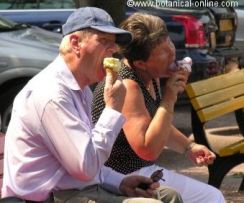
(225, 126)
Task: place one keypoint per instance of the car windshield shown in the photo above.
(8, 25)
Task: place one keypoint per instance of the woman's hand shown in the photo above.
(200, 154)
(129, 186)
(175, 85)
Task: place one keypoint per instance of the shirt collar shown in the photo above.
(66, 75)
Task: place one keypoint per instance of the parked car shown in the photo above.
(25, 50)
(46, 14)
(239, 42)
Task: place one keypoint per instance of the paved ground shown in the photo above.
(225, 126)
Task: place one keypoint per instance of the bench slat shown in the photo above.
(218, 96)
(217, 110)
(215, 83)
(234, 148)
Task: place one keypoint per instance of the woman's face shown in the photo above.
(160, 59)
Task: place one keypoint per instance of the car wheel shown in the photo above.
(6, 105)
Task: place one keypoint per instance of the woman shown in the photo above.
(149, 110)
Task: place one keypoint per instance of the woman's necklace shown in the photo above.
(150, 89)
(146, 85)
(149, 86)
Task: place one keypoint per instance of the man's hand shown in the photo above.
(200, 154)
(114, 93)
(129, 186)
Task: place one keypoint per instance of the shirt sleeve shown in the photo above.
(110, 179)
(81, 150)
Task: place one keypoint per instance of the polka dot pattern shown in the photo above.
(123, 159)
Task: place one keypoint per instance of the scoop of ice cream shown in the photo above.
(184, 64)
(112, 63)
(187, 60)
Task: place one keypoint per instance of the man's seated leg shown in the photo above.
(97, 194)
(169, 195)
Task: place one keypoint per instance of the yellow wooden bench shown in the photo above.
(210, 99)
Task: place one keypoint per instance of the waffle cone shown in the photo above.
(112, 73)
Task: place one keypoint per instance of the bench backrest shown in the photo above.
(218, 95)
(2, 137)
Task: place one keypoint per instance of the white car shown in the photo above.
(25, 50)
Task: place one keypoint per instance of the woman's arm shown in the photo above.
(147, 136)
(178, 141)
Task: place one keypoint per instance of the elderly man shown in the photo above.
(53, 153)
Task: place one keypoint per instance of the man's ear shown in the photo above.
(74, 41)
(140, 64)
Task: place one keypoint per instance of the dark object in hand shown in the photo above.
(156, 176)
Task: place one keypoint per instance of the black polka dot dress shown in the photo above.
(123, 159)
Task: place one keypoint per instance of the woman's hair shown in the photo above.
(147, 31)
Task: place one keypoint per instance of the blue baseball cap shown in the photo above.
(95, 18)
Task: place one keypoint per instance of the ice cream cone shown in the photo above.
(112, 66)
(113, 73)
